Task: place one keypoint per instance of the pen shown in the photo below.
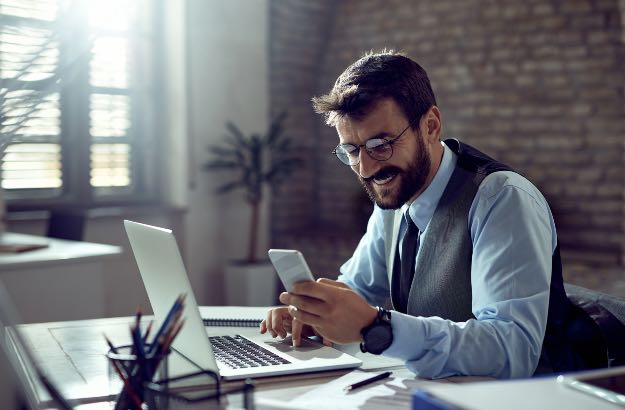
(147, 331)
(178, 304)
(367, 381)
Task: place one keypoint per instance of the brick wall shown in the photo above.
(536, 84)
(298, 31)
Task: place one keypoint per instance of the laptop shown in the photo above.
(232, 356)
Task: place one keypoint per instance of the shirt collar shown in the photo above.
(423, 207)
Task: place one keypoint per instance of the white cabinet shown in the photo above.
(63, 281)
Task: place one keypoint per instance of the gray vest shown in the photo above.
(442, 282)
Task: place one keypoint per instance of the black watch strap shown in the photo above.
(378, 336)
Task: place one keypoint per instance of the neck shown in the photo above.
(437, 157)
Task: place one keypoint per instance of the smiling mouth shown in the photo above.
(383, 177)
(385, 180)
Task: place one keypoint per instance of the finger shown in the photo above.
(263, 326)
(288, 298)
(334, 283)
(305, 317)
(284, 297)
(269, 323)
(296, 332)
(327, 342)
(307, 304)
(282, 330)
(276, 320)
(315, 290)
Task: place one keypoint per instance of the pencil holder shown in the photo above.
(129, 373)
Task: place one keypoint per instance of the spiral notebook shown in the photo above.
(233, 316)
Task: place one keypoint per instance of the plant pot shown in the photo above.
(250, 284)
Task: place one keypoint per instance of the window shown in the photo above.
(76, 102)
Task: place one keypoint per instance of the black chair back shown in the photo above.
(66, 224)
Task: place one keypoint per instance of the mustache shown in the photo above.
(383, 173)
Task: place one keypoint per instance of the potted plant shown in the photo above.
(255, 162)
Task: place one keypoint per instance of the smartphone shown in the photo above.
(291, 267)
(607, 384)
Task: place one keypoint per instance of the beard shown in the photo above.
(410, 180)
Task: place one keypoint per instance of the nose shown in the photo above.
(367, 165)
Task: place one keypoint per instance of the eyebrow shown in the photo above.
(379, 135)
(382, 134)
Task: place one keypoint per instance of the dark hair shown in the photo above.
(375, 76)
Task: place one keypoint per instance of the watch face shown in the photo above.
(379, 338)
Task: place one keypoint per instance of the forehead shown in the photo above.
(384, 119)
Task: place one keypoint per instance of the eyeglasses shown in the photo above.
(379, 149)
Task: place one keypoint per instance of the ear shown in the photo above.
(433, 124)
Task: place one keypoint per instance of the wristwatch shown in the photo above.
(378, 336)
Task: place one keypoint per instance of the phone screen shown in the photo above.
(290, 266)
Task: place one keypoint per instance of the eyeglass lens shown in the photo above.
(377, 148)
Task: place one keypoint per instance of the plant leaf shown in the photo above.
(223, 151)
(221, 164)
(257, 159)
(237, 134)
(275, 128)
(228, 187)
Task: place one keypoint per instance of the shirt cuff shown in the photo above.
(408, 336)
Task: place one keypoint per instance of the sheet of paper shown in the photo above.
(233, 312)
(390, 393)
(371, 362)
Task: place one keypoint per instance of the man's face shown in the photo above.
(406, 173)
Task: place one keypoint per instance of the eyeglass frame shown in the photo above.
(388, 142)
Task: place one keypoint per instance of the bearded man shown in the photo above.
(459, 270)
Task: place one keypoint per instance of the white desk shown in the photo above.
(63, 281)
(72, 354)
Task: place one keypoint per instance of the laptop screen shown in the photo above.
(165, 278)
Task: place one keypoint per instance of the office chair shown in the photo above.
(66, 224)
(608, 314)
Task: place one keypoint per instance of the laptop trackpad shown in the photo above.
(308, 350)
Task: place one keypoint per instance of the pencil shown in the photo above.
(174, 333)
(147, 331)
(110, 344)
(178, 304)
(128, 387)
(367, 381)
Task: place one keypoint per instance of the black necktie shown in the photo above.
(409, 247)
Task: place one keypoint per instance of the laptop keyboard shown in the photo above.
(237, 352)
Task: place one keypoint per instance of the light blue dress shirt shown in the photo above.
(514, 237)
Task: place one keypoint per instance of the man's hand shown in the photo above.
(279, 322)
(331, 308)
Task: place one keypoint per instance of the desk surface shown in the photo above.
(58, 251)
(72, 354)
